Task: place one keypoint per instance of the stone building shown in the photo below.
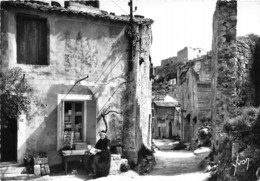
(189, 53)
(79, 62)
(169, 61)
(235, 84)
(166, 120)
(194, 94)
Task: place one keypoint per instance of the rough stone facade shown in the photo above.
(139, 114)
(224, 67)
(247, 74)
(169, 61)
(194, 93)
(79, 46)
(166, 122)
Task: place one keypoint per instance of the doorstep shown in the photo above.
(17, 176)
(13, 171)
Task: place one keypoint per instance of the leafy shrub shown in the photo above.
(204, 135)
(244, 131)
(245, 127)
(124, 167)
(146, 160)
(14, 94)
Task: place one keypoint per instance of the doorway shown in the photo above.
(257, 73)
(170, 129)
(9, 141)
(187, 129)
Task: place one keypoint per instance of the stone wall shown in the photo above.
(163, 118)
(137, 121)
(224, 65)
(169, 61)
(247, 74)
(144, 84)
(224, 75)
(194, 91)
(235, 71)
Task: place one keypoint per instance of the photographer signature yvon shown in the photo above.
(240, 163)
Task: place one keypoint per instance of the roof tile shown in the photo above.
(55, 9)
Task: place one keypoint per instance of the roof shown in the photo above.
(165, 104)
(62, 10)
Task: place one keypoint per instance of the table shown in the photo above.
(74, 154)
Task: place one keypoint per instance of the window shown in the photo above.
(73, 119)
(31, 40)
(76, 120)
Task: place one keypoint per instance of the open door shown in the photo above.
(170, 129)
(9, 141)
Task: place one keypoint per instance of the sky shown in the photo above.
(180, 23)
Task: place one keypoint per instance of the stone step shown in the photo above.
(12, 170)
(116, 162)
(9, 164)
(17, 176)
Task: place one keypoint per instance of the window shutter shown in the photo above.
(31, 40)
(91, 122)
(60, 123)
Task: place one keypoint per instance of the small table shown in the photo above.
(75, 154)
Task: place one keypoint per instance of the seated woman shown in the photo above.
(101, 160)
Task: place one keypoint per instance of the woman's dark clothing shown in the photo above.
(101, 161)
(102, 144)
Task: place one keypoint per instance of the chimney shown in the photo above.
(55, 3)
(84, 6)
(92, 3)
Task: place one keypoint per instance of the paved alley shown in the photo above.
(171, 165)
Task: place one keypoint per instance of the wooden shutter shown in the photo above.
(60, 123)
(31, 40)
(91, 122)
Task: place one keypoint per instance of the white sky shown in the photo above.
(180, 23)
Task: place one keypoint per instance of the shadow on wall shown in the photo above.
(96, 54)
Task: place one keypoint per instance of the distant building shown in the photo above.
(194, 93)
(189, 53)
(169, 61)
(166, 121)
(191, 69)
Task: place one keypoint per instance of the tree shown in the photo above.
(14, 94)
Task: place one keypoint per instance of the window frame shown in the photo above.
(60, 123)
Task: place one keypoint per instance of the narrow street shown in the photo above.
(135, 90)
(171, 165)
